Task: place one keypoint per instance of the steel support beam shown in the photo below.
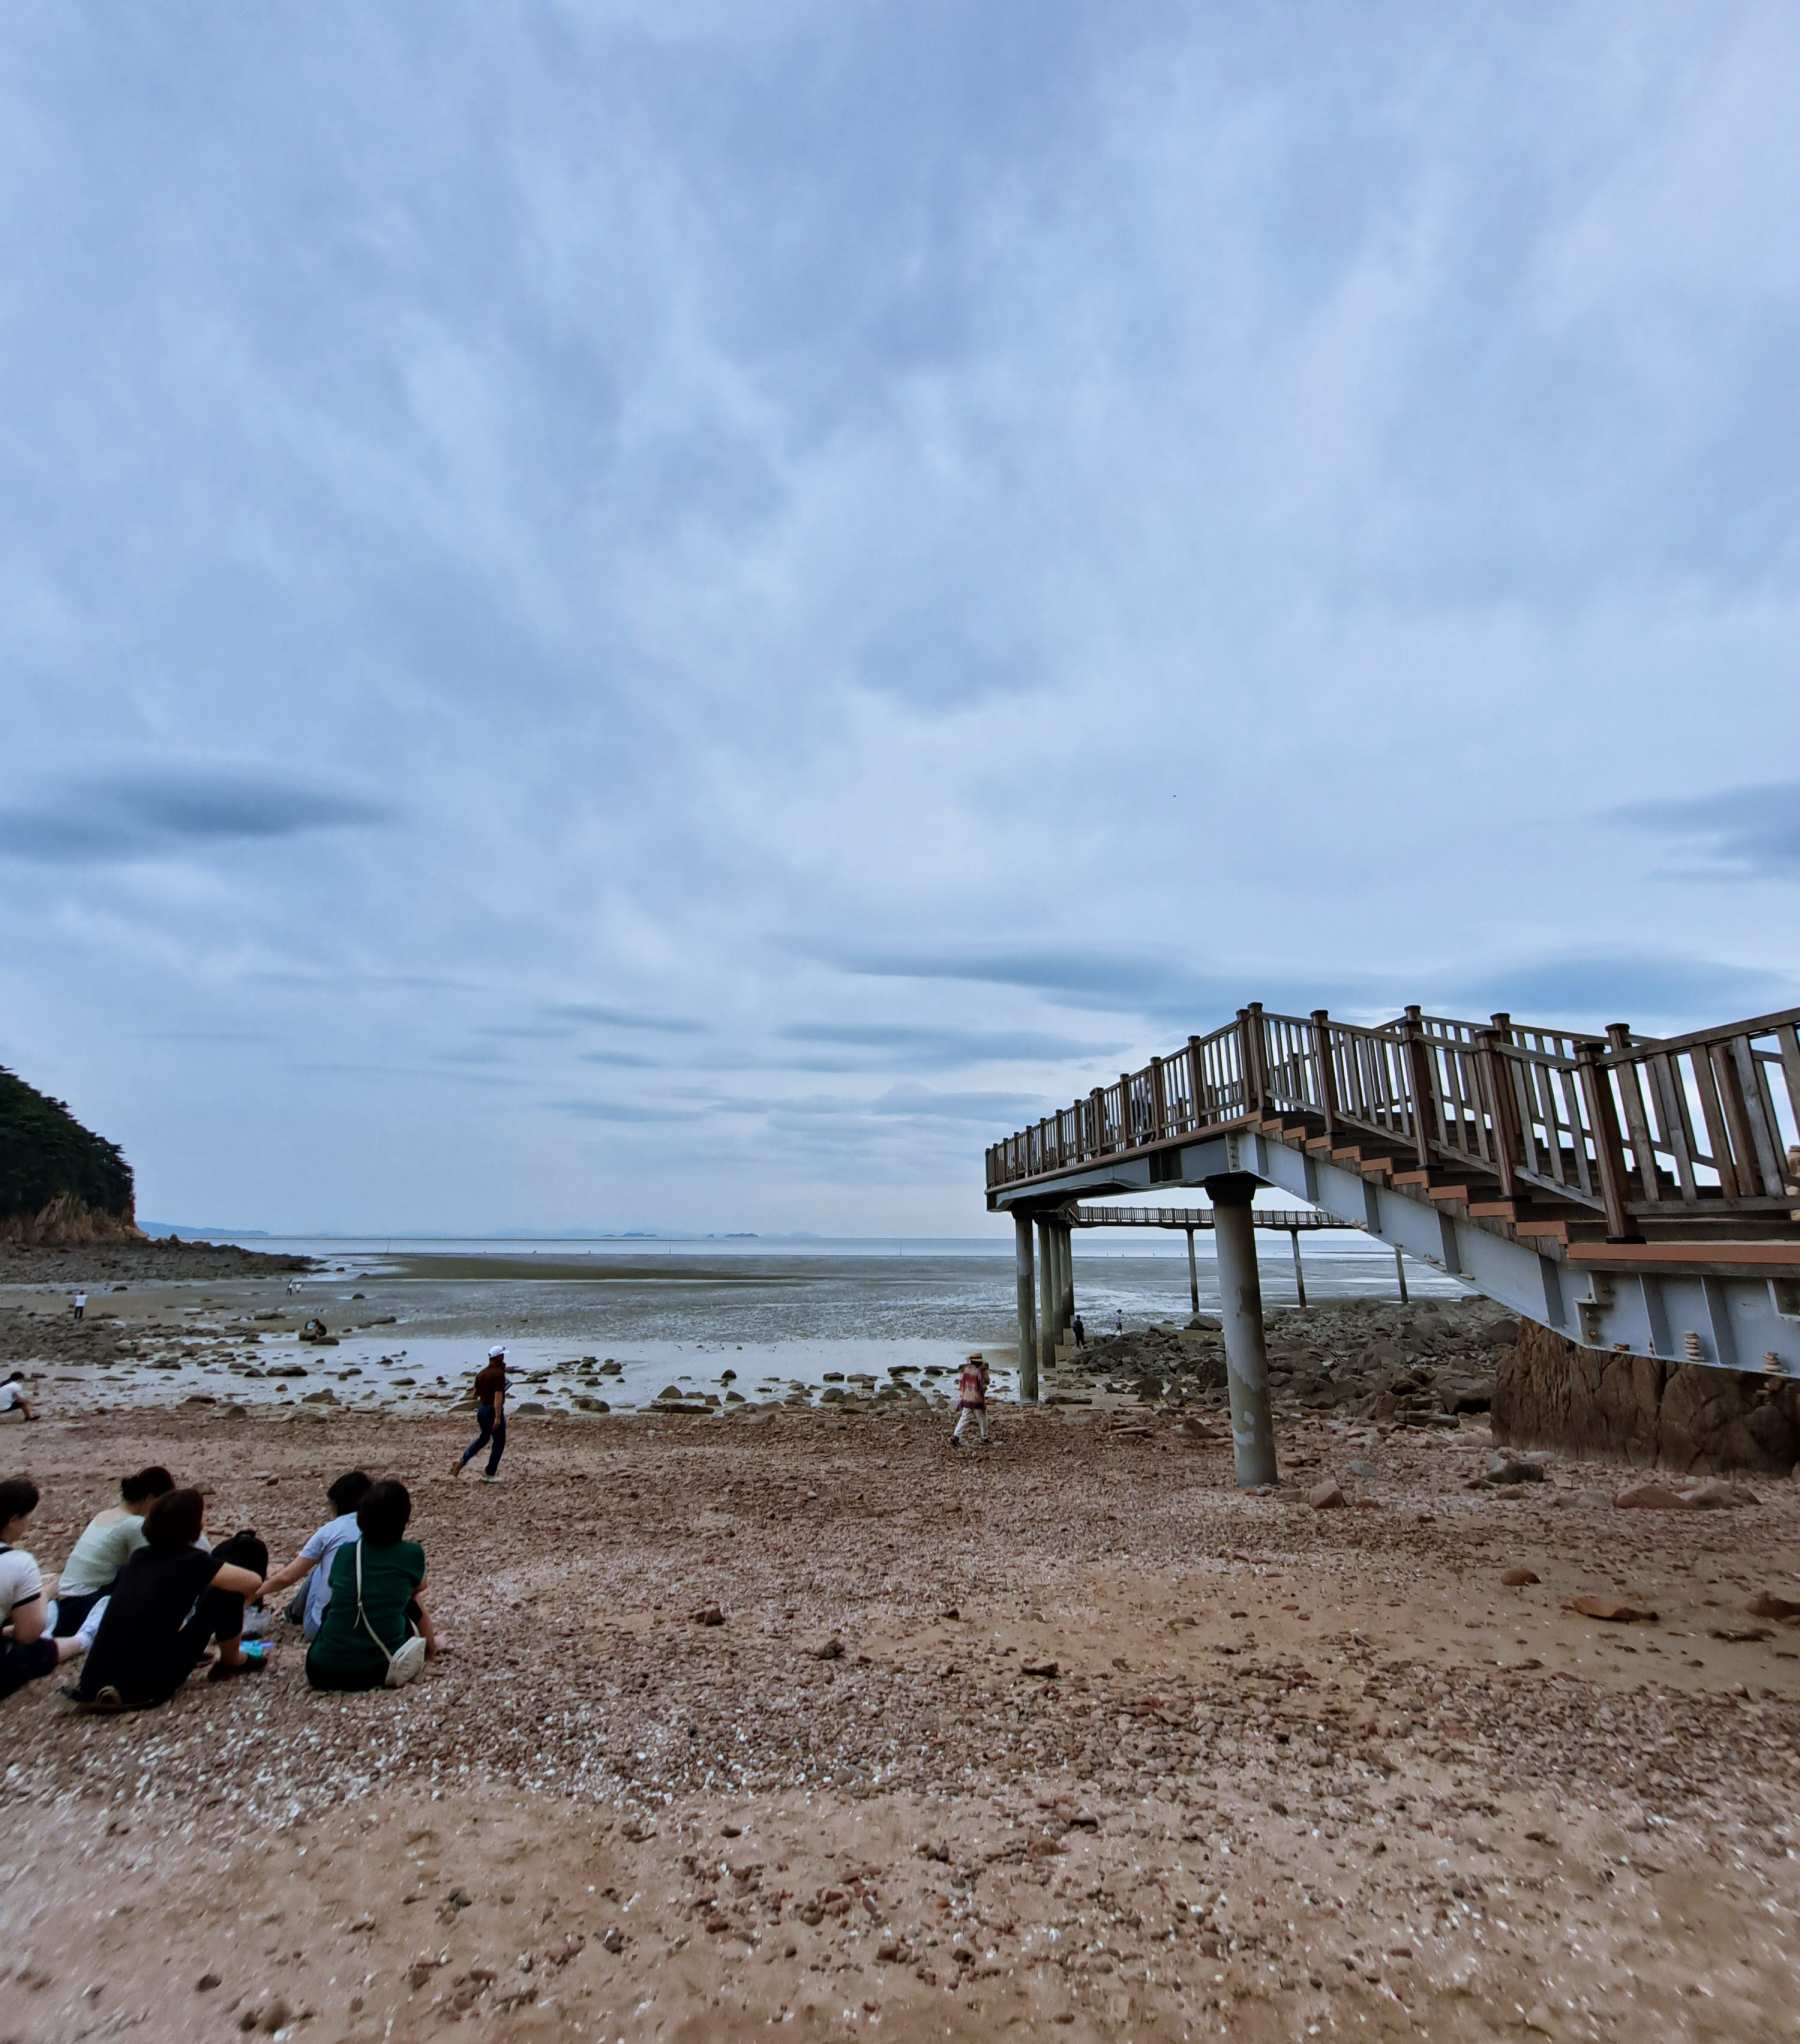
(1240, 1309)
(1721, 1308)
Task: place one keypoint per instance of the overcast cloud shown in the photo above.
(677, 613)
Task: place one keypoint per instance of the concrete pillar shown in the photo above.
(1246, 1361)
(1051, 1288)
(1400, 1273)
(1028, 1347)
(1299, 1274)
(1046, 1294)
(1193, 1276)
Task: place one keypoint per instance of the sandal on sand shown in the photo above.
(222, 1671)
(104, 1702)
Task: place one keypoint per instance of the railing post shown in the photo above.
(1503, 1108)
(1603, 1125)
(1250, 1056)
(1097, 1109)
(1197, 1080)
(1746, 1168)
(1328, 1093)
(1637, 1122)
(1126, 1131)
(1159, 1101)
(1421, 1080)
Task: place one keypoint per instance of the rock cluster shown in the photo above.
(1421, 1365)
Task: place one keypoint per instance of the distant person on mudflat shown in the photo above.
(27, 1652)
(170, 1601)
(12, 1396)
(313, 1562)
(377, 1607)
(78, 1305)
(971, 1399)
(108, 1541)
(490, 1417)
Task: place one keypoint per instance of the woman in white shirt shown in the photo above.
(107, 1543)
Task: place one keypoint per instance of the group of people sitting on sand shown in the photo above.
(145, 1598)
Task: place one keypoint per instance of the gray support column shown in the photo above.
(1299, 1274)
(1067, 1315)
(1046, 1295)
(1246, 1361)
(1051, 1286)
(1028, 1348)
(1400, 1273)
(1193, 1276)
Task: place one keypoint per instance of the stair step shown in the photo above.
(1432, 1176)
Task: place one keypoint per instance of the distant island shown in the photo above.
(197, 1231)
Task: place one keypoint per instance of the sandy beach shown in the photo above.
(796, 1718)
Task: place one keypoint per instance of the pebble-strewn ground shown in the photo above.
(1065, 1739)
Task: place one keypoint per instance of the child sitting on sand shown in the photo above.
(313, 1562)
(971, 1399)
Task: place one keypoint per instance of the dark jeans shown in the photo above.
(218, 1615)
(19, 1665)
(71, 1613)
(490, 1432)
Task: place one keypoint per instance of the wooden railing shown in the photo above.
(1632, 1127)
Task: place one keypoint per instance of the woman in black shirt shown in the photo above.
(168, 1601)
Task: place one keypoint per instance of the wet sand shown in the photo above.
(1296, 1772)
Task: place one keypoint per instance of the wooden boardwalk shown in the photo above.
(1631, 1192)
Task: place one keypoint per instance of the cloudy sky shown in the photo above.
(680, 613)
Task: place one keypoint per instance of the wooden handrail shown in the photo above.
(1701, 1123)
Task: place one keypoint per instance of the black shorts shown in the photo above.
(22, 1664)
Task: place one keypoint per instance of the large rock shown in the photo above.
(1684, 1416)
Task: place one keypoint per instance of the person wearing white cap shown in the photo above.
(490, 1416)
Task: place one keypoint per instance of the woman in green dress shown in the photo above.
(359, 1634)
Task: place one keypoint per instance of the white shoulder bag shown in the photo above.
(405, 1664)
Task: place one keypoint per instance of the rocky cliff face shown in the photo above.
(67, 1222)
(1551, 1394)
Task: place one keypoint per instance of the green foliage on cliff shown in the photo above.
(46, 1154)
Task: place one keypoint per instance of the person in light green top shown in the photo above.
(392, 1604)
(107, 1543)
